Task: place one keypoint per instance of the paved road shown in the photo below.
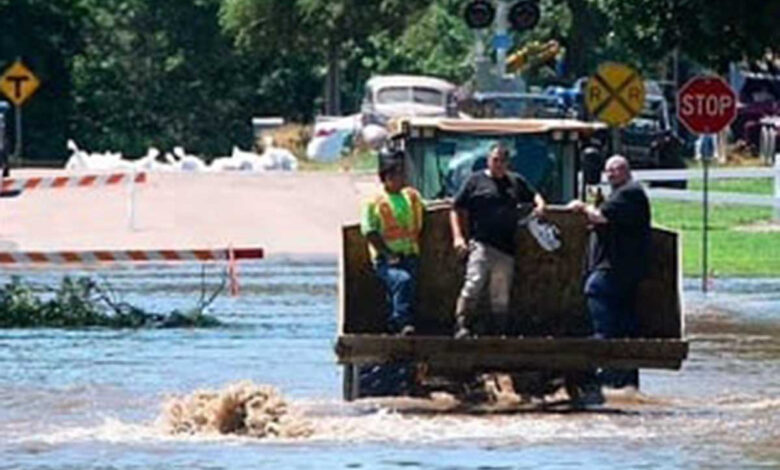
(287, 214)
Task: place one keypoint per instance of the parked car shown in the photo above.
(391, 96)
(759, 96)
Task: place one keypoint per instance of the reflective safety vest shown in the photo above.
(401, 236)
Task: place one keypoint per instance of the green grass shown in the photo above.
(752, 186)
(732, 252)
(358, 160)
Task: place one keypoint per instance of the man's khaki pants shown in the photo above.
(490, 268)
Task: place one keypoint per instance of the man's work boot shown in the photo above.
(461, 319)
(461, 330)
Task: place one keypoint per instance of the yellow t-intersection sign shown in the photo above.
(18, 83)
(615, 94)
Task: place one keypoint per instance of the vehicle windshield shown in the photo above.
(427, 96)
(760, 90)
(421, 95)
(521, 106)
(391, 95)
(440, 167)
(651, 118)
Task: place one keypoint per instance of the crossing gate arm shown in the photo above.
(37, 258)
(80, 181)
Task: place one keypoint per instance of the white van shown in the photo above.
(390, 96)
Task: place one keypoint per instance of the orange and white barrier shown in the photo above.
(125, 256)
(55, 182)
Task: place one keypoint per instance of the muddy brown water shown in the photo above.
(93, 398)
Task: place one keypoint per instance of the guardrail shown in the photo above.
(706, 197)
(716, 173)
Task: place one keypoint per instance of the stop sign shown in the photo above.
(706, 105)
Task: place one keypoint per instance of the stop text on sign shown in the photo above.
(706, 104)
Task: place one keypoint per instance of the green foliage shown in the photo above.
(710, 32)
(161, 74)
(46, 35)
(81, 302)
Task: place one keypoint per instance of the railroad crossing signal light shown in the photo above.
(479, 14)
(532, 54)
(524, 15)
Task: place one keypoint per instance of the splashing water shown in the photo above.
(241, 408)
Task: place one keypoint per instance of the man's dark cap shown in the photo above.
(390, 160)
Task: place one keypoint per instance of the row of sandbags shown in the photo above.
(272, 159)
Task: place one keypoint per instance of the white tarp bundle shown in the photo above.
(272, 159)
(331, 133)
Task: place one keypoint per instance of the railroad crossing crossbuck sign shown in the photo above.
(615, 94)
(18, 83)
(706, 105)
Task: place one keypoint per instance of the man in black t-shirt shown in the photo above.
(485, 213)
(618, 254)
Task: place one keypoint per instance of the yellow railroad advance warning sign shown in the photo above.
(18, 83)
(615, 94)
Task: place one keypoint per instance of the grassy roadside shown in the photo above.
(359, 160)
(763, 186)
(737, 245)
(295, 137)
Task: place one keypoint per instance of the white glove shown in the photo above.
(546, 234)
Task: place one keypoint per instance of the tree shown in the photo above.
(46, 35)
(163, 74)
(712, 33)
(319, 29)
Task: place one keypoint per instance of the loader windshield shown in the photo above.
(440, 166)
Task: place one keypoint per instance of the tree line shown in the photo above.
(128, 74)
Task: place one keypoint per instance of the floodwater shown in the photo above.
(93, 398)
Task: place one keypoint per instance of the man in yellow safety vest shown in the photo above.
(392, 221)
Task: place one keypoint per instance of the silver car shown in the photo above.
(391, 96)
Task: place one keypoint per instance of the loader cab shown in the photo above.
(442, 153)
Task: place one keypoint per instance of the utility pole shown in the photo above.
(501, 27)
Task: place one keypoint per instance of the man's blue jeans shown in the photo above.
(611, 304)
(400, 281)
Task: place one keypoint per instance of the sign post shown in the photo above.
(3, 151)
(615, 94)
(706, 105)
(18, 83)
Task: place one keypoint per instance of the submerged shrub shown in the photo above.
(82, 302)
